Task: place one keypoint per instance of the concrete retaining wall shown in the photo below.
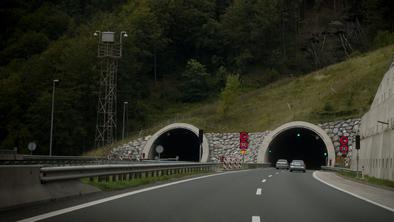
(377, 132)
(21, 185)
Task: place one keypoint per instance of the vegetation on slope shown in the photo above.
(193, 45)
(340, 91)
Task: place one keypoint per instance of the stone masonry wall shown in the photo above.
(348, 128)
(227, 144)
(132, 149)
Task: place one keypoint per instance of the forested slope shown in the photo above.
(196, 44)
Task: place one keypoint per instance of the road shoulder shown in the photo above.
(377, 196)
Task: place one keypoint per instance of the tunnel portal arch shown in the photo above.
(264, 155)
(175, 138)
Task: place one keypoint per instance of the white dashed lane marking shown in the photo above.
(255, 218)
(269, 175)
(264, 180)
(258, 192)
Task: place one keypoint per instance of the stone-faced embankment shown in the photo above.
(227, 144)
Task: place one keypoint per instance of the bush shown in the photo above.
(383, 38)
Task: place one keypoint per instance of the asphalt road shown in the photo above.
(284, 196)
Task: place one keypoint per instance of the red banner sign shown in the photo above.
(344, 148)
(243, 140)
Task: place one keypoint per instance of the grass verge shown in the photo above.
(122, 184)
(368, 179)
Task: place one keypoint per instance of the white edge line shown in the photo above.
(255, 218)
(92, 203)
(355, 195)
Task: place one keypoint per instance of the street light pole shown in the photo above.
(53, 109)
(124, 114)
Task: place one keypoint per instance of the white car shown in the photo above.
(282, 164)
(297, 165)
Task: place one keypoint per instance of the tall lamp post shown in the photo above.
(53, 109)
(124, 114)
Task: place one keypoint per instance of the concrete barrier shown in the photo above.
(21, 185)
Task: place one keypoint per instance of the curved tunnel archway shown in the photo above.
(298, 144)
(178, 140)
(298, 140)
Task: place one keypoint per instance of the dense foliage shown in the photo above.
(177, 52)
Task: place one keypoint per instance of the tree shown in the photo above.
(195, 82)
(251, 30)
(229, 93)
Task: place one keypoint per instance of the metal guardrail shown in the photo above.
(129, 171)
(50, 160)
(122, 171)
(338, 169)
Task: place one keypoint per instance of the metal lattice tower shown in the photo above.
(109, 52)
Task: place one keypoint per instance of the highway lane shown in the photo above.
(283, 196)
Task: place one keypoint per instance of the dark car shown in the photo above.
(297, 165)
(282, 164)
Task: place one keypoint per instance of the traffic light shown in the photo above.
(325, 154)
(298, 134)
(269, 151)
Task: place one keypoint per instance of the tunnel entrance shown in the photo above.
(298, 144)
(181, 143)
(298, 140)
(178, 139)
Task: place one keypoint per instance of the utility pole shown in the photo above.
(52, 113)
(124, 114)
(109, 52)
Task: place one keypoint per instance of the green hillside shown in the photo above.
(175, 61)
(341, 91)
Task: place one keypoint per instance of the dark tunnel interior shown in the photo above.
(301, 144)
(178, 142)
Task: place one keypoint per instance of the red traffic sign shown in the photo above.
(243, 140)
(344, 149)
(344, 140)
(243, 145)
(243, 136)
